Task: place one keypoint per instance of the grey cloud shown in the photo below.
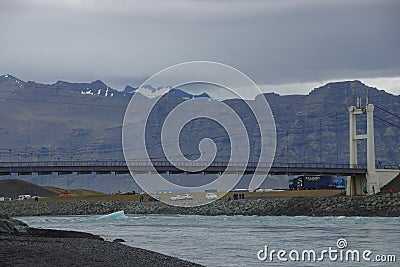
(274, 42)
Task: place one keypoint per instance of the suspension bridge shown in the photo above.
(370, 176)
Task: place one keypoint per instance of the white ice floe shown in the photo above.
(115, 215)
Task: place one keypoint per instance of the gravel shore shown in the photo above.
(21, 245)
(24, 250)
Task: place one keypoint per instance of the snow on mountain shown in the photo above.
(99, 88)
(94, 88)
(150, 91)
(11, 80)
(129, 89)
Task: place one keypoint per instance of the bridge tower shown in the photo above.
(375, 178)
(355, 185)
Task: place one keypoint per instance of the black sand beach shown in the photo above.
(24, 250)
(24, 246)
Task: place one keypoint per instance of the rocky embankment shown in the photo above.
(379, 205)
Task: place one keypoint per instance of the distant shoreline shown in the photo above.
(364, 206)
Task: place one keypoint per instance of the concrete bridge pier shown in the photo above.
(355, 185)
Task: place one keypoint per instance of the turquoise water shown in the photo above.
(236, 240)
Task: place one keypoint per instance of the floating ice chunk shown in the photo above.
(115, 215)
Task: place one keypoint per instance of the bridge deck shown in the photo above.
(119, 167)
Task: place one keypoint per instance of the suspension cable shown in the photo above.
(388, 122)
(391, 113)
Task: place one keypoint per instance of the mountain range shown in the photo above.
(64, 121)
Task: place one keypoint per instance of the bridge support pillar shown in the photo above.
(371, 184)
(355, 185)
(353, 139)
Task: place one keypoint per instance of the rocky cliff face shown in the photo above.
(314, 127)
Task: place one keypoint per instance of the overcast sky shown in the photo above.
(285, 46)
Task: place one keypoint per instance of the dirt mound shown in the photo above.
(394, 185)
(14, 187)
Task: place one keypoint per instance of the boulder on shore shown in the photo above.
(12, 226)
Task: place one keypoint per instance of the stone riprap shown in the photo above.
(378, 205)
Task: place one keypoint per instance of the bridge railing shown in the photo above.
(138, 163)
(319, 165)
(63, 164)
(389, 167)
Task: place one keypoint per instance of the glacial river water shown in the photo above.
(241, 240)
